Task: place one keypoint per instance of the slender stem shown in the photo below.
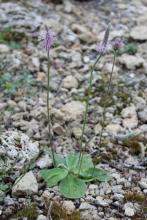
(104, 110)
(48, 108)
(86, 111)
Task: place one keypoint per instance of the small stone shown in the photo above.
(73, 110)
(101, 201)
(44, 162)
(8, 201)
(129, 209)
(27, 185)
(131, 62)
(118, 197)
(143, 183)
(69, 206)
(41, 217)
(86, 206)
(139, 33)
(70, 82)
(4, 48)
(58, 129)
(113, 128)
(77, 132)
(130, 115)
(143, 115)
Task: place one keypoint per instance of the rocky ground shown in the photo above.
(79, 26)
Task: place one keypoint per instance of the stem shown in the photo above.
(104, 111)
(48, 108)
(86, 111)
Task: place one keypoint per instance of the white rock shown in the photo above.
(41, 217)
(77, 132)
(113, 128)
(143, 183)
(44, 162)
(101, 201)
(130, 117)
(131, 62)
(85, 206)
(143, 115)
(70, 82)
(27, 185)
(73, 110)
(139, 33)
(129, 209)
(58, 129)
(69, 206)
(139, 102)
(4, 48)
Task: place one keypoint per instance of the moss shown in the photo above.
(29, 212)
(134, 197)
(134, 144)
(57, 213)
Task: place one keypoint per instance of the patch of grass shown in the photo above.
(30, 212)
(11, 38)
(134, 144)
(15, 85)
(57, 213)
(131, 48)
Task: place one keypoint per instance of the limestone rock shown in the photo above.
(130, 117)
(113, 128)
(73, 110)
(70, 82)
(69, 206)
(4, 48)
(131, 62)
(129, 209)
(139, 33)
(27, 185)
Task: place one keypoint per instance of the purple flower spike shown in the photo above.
(105, 45)
(47, 39)
(117, 44)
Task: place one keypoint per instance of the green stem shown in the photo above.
(86, 111)
(48, 109)
(104, 110)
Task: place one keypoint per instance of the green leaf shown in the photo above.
(53, 176)
(72, 161)
(3, 187)
(72, 187)
(85, 164)
(96, 174)
(60, 160)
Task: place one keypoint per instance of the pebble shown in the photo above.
(70, 82)
(41, 217)
(73, 110)
(131, 62)
(101, 201)
(27, 185)
(4, 48)
(68, 206)
(143, 115)
(129, 209)
(143, 183)
(44, 162)
(130, 117)
(135, 33)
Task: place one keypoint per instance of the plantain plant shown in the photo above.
(73, 171)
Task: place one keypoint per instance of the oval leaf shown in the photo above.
(96, 174)
(72, 187)
(53, 176)
(72, 161)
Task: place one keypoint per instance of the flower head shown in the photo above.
(117, 44)
(47, 39)
(105, 45)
